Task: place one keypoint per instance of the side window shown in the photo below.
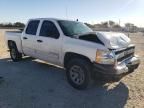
(49, 29)
(32, 27)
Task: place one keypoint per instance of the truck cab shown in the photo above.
(42, 39)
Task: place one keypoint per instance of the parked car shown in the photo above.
(75, 47)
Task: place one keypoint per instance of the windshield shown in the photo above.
(71, 28)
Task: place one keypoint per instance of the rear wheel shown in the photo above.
(15, 55)
(78, 73)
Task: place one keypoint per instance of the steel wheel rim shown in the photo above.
(77, 74)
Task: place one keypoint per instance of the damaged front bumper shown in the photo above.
(118, 71)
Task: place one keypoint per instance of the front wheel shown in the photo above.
(78, 73)
(15, 55)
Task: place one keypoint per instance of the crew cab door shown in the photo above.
(49, 42)
(29, 38)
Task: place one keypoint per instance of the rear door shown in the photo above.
(49, 42)
(29, 38)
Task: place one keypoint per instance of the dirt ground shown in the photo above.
(35, 84)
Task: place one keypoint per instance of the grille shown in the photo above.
(125, 53)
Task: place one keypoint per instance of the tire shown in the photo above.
(78, 73)
(15, 55)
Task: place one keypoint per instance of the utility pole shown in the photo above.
(66, 9)
(120, 25)
(66, 12)
(119, 22)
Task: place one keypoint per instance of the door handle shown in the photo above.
(25, 38)
(39, 41)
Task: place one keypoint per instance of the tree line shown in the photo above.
(12, 25)
(112, 24)
(105, 24)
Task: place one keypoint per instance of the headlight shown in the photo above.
(105, 57)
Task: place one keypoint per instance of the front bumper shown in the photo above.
(118, 71)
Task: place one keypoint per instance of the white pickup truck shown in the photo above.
(75, 47)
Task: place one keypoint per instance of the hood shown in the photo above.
(114, 40)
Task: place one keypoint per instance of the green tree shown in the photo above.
(19, 24)
(104, 24)
(111, 23)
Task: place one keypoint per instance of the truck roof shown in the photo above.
(55, 19)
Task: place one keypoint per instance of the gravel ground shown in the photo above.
(35, 84)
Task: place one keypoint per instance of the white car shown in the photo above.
(75, 47)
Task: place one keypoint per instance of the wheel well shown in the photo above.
(11, 43)
(70, 55)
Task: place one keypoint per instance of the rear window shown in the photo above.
(32, 27)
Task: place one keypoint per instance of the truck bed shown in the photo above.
(14, 36)
(14, 33)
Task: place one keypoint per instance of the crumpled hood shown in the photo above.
(113, 40)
